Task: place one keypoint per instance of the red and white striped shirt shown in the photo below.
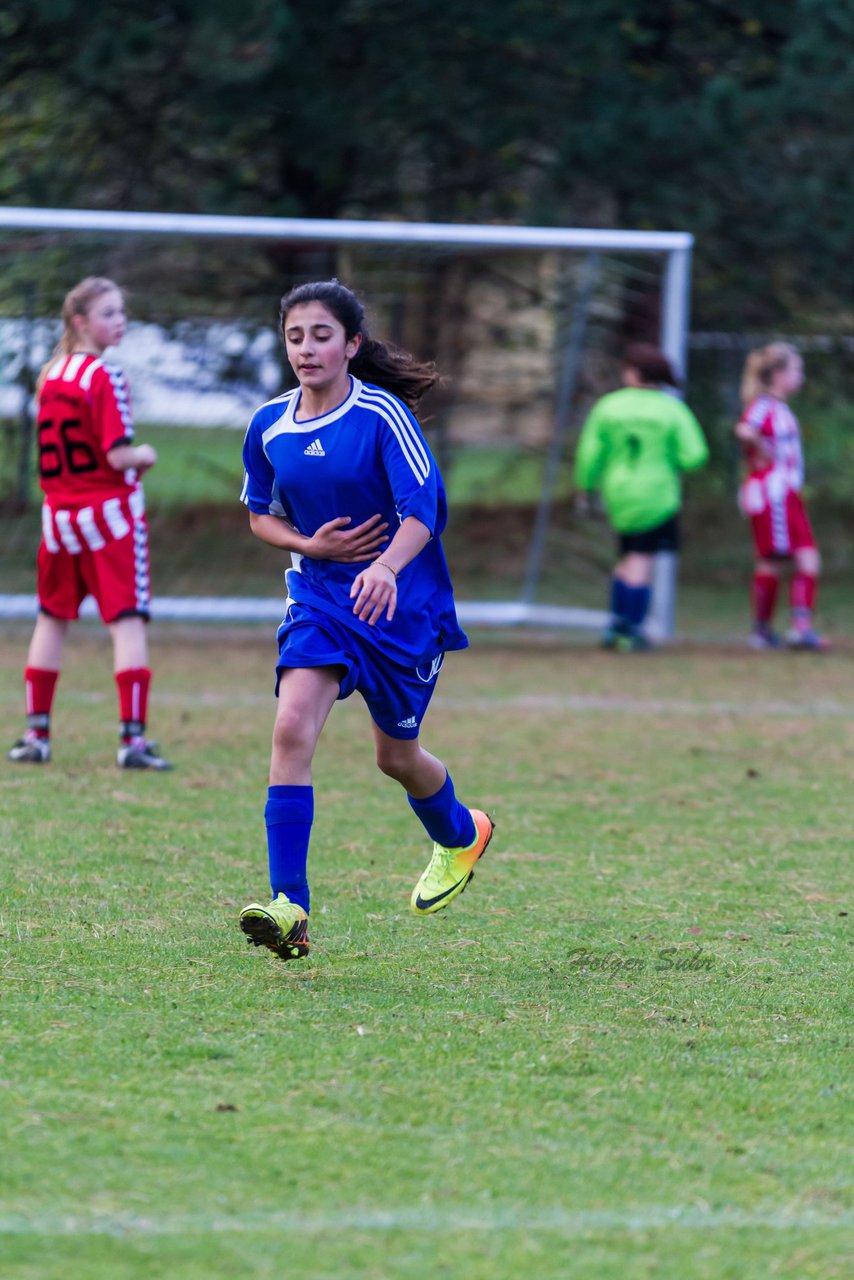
(779, 450)
(84, 411)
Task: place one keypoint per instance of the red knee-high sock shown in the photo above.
(764, 594)
(802, 594)
(39, 688)
(133, 684)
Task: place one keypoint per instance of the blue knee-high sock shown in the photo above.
(445, 820)
(635, 604)
(619, 621)
(289, 813)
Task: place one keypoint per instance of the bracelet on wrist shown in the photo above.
(385, 564)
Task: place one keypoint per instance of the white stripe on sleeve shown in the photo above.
(72, 367)
(410, 445)
(88, 374)
(757, 412)
(411, 434)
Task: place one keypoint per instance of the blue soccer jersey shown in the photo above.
(365, 457)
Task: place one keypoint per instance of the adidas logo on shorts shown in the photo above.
(315, 449)
(409, 723)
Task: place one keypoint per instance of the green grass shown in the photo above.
(622, 1052)
(205, 465)
(194, 465)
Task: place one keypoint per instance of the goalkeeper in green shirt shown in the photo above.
(634, 446)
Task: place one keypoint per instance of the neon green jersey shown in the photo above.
(633, 447)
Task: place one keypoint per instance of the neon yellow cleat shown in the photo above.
(281, 926)
(449, 870)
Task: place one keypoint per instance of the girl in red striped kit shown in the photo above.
(771, 497)
(94, 532)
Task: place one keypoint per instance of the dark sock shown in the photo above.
(635, 605)
(445, 820)
(618, 607)
(289, 813)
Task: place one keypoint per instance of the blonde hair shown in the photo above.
(77, 303)
(760, 367)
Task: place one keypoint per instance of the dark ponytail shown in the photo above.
(651, 365)
(383, 363)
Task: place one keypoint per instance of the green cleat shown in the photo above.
(449, 870)
(281, 926)
(633, 642)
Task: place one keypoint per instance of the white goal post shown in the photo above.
(675, 248)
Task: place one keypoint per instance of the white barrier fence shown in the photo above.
(262, 609)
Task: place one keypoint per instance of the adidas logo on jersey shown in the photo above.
(409, 723)
(315, 449)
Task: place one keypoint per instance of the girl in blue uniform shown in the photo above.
(337, 472)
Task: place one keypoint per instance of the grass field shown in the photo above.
(621, 1053)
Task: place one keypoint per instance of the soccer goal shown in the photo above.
(526, 324)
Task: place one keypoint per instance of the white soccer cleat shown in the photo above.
(30, 749)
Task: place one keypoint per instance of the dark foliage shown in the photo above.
(728, 119)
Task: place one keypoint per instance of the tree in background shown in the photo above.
(731, 120)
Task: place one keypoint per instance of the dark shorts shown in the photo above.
(396, 696)
(664, 537)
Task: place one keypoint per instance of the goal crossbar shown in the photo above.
(342, 231)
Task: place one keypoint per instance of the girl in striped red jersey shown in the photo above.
(94, 531)
(770, 496)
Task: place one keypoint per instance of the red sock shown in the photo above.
(764, 595)
(133, 684)
(39, 688)
(802, 593)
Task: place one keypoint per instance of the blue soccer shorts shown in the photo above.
(396, 696)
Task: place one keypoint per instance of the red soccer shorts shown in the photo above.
(99, 550)
(781, 527)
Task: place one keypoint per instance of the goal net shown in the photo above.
(526, 325)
